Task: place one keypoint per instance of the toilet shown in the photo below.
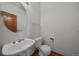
(44, 50)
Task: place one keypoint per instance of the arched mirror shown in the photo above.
(10, 20)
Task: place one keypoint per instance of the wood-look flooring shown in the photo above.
(53, 53)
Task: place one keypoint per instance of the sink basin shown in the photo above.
(18, 48)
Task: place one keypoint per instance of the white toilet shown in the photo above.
(44, 50)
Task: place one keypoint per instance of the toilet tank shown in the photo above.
(38, 41)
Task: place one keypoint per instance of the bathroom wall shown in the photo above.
(6, 35)
(61, 22)
(34, 10)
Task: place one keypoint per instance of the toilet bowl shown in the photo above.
(44, 50)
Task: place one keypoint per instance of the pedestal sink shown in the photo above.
(23, 47)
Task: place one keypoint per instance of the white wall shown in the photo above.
(61, 22)
(34, 19)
